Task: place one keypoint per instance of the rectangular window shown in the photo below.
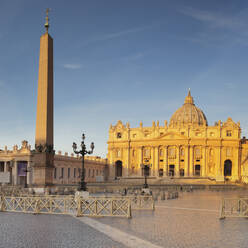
(228, 133)
(69, 172)
(55, 173)
(79, 172)
(74, 173)
(62, 172)
(93, 173)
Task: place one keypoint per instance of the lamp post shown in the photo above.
(145, 168)
(83, 152)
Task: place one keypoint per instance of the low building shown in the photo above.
(17, 165)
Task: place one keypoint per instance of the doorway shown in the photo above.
(171, 170)
(197, 170)
(228, 168)
(118, 169)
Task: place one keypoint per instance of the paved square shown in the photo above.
(191, 221)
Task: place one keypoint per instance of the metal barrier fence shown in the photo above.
(105, 206)
(142, 202)
(38, 204)
(92, 206)
(234, 207)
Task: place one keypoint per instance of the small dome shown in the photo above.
(188, 114)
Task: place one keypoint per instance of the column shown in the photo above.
(28, 173)
(191, 161)
(218, 161)
(112, 165)
(165, 161)
(177, 165)
(152, 161)
(15, 173)
(218, 171)
(186, 161)
(140, 160)
(235, 164)
(128, 160)
(203, 174)
(5, 166)
(156, 158)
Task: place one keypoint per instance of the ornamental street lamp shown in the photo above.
(83, 152)
(146, 168)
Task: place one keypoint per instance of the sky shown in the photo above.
(131, 60)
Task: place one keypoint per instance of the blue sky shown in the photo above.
(131, 60)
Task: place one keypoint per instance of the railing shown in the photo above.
(92, 207)
(38, 204)
(234, 207)
(142, 202)
(105, 206)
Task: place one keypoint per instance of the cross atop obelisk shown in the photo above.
(47, 19)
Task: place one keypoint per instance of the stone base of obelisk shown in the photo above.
(42, 169)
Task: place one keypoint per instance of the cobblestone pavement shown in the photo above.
(192, 221)
(49, 231)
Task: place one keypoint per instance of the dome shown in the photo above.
(188, 114)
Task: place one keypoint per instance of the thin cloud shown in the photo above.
(133, 57)
(72, 66)
(213, 19)
(122, 33)
(110, 36)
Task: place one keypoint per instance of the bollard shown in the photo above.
(222, 211)
(79, 206)
(129, 212)
(162, 195)
(155, 197)
(2, 206)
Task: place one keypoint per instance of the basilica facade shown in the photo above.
(185, 147)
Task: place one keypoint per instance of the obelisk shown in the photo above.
(44, 154)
